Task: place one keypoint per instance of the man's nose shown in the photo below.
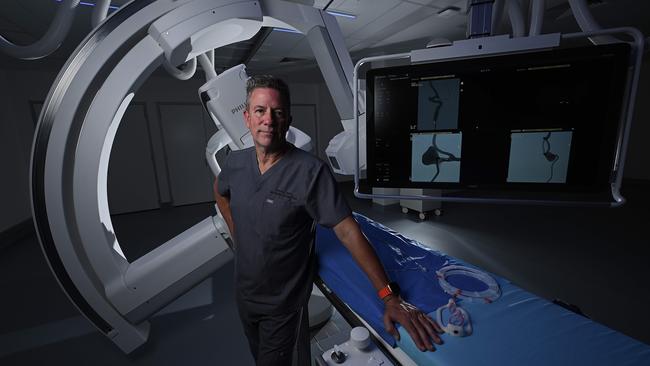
(268, 118)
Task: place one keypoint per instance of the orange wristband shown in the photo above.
(384, 292)
(391, 288)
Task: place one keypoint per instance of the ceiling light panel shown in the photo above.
(88, 3)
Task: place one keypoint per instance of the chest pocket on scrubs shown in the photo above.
(278, 216)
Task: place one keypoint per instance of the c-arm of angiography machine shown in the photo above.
(78, 124)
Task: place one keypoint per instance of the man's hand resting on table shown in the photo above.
(419, 325)
(422, 329)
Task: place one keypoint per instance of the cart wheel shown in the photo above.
(405, 210)
(422, 216)
(437, 212)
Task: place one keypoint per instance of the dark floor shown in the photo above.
(594, 258)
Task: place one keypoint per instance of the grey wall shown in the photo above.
(131, 170)
(17, 89)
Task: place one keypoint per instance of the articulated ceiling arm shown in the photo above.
(335, 63)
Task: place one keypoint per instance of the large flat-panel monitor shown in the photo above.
(536, 125)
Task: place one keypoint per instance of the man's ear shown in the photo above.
(289, 120)
(247, 119)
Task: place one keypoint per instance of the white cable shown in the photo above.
(52, 39)
(537, 17)
(187, 73)
(99, 12)
(490, 294)
(208, 67)
(458, 322)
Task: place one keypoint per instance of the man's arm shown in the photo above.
(421, 327)
(223, 203)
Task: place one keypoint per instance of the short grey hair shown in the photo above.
(271, 82)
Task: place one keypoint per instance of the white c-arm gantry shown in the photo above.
(75, 135)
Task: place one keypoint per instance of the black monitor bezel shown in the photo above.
(600, 189)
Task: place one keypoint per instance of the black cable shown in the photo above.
(328, 4)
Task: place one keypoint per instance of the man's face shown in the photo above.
(267, 118)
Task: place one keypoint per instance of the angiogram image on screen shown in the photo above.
(435, 157)
(539, 157)
(438, 104)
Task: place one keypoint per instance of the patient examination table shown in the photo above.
(518, 328)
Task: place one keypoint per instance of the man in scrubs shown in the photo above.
(272, 195)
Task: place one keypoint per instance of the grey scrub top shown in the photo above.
(274, 215)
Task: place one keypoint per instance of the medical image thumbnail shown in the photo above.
(438, 104)
(539, 157)
(435, 157)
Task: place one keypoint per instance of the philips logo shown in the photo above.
(238, 108)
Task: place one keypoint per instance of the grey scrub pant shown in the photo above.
(277, 340)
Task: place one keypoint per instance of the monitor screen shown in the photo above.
(545, 121)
